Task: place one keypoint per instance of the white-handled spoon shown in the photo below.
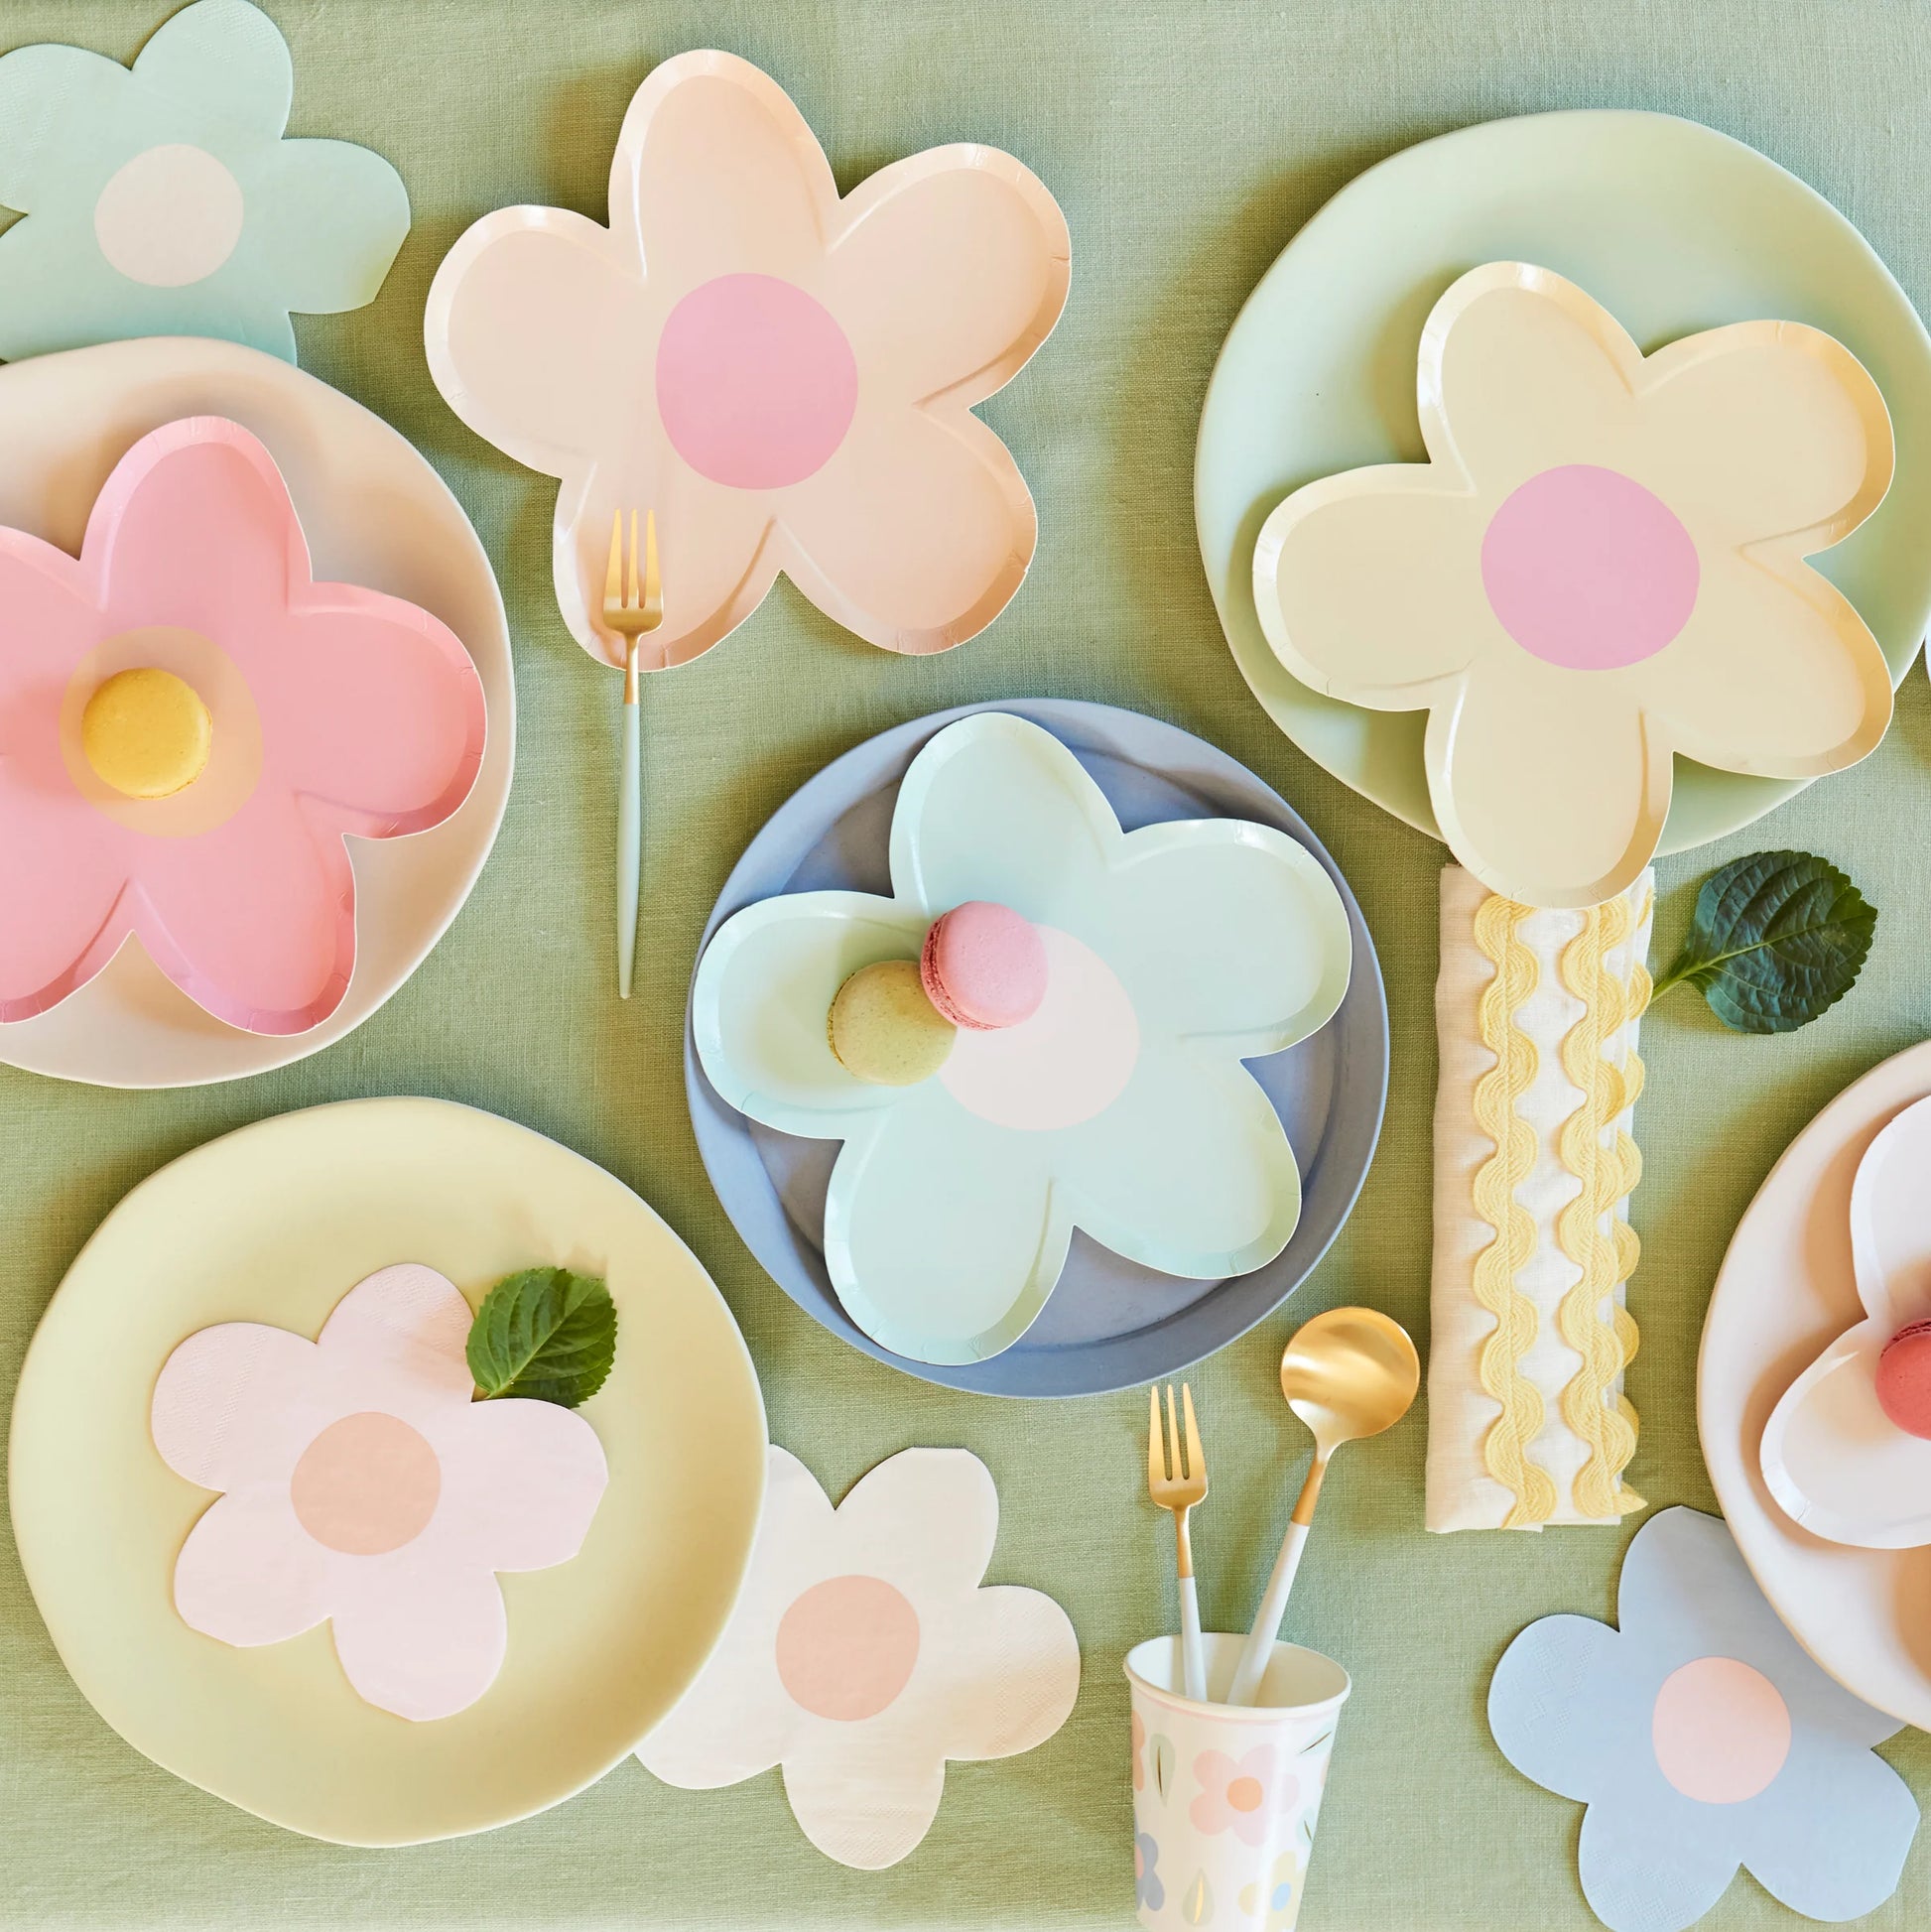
(1348, 1373)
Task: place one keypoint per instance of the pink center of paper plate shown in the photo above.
(846, 1647)
(756, 382)
(1720, 1730)
(368, 1484)
(1071, 1060)
(1587, 570)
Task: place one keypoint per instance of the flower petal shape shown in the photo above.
(783, 376)
(1174, 954)
(1602, 565)
(1833, 1459)
(863, 1654)
(331, 710)
(364, 1487)
(163, 201)
(422, 1641)
(1702, 1737)
(247, 1575)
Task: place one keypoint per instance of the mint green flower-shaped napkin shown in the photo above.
(1122, 1106)
(163, 201)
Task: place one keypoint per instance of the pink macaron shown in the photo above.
(1904, 1379)
(984, 965)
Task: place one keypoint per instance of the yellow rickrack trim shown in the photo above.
(1604, 1159)
(1506, 1444)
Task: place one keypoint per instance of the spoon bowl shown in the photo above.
(1348, 1373)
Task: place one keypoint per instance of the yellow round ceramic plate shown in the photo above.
(276, 1224)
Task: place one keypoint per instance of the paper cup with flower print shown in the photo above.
(1225, 1796)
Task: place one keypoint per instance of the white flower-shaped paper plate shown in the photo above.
(1142, 1141)
(1834, 1460)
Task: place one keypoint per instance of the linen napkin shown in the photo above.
(1536, 1013)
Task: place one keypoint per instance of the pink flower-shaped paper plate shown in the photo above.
(785, 377)
(326, 710)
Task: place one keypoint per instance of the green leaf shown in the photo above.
(546, 1333)
(1778, 938)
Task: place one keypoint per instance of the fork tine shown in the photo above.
(1156, 1453)
(1196, 1457)
(1179, 1469)
(613, 578)
(653, 579)
(630, 599)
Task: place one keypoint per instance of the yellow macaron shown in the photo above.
(884, 1030)
(147, 733)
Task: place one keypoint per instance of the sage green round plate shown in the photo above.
(276, 1223)
(1673, 227)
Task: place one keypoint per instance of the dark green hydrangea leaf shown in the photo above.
(1778, 938)
(546, 1333)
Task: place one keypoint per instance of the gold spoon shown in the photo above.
(1348, 1373)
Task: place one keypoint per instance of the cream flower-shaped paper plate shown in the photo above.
(785, 377)
(863, 1654)
(1832, 1456)
(1602, 565)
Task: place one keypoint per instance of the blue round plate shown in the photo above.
(1110, 1322)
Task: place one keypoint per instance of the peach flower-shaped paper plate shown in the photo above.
(785, 377)
(1838, 1466)
(1602, 565)
(328, 711)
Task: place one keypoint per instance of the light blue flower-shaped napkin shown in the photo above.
(1122, 1107)
(1702, 1737)
(163, 200)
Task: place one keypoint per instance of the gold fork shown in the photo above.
(1178, 1484)
(631, 613)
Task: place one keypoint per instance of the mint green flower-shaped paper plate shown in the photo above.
(1122, 1108)
(162, 199)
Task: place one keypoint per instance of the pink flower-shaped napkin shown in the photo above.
(364, 1486)
(334, 711)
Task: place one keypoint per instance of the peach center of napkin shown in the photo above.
(169, 217)
(1587, 570)
(846, 1647)
(756, 382)
(368, 1484)
(1720, 1730)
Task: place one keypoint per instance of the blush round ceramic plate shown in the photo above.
(1786, 1291)
(1108, 1323)
(374, 514)
(275, 1223)
(1673, 227)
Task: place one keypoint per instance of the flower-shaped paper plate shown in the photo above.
(785, 377)
(1835, 1461)
(371, 513)
(441, 1615)
(1672, 227)
(1125, 1180)
(1601, 564)
(193, 729)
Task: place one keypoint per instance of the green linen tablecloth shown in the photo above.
(1186, 144)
